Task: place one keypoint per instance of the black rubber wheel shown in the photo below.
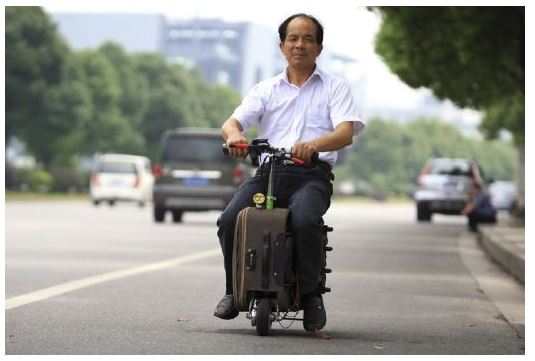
(423, 214)
(159, 214)
(177, 216)
(111, 202)
(263, 317)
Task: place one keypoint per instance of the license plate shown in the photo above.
(195, 181)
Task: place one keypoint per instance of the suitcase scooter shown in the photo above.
(265, 282)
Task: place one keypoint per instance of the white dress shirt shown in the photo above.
(286, 113)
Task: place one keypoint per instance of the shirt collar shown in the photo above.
(316, 73)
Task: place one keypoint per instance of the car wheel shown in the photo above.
(423, 214)
(177, 216)
(159, 214)
(141, 204)
(96, 202)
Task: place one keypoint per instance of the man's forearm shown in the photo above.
(341, 137)
(231, 128)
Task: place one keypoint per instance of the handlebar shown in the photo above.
(259, 146)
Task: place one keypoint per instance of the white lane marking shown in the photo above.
(90, 281)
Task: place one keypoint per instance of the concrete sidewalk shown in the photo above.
(505, 243)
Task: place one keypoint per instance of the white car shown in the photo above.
(503, 195)
(121, 177)
(443, 186)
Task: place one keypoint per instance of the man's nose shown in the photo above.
(300, 43)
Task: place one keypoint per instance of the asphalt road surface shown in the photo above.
(107, 280)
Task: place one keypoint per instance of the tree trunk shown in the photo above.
(520, 181)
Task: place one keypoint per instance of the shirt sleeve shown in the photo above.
(343, 108)
(251, 109)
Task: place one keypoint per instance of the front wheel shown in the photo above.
(263, 317)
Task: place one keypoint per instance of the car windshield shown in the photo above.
(450, 168)
(117, 167)
(194, 149)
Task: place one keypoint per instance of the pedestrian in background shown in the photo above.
(478, 208)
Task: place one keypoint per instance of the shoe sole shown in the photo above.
(226, 317)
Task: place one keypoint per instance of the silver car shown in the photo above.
(443, 186)
(503, 195)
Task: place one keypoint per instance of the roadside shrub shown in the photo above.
(40, 181)
(67, 180)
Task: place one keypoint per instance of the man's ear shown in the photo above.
(320, 48)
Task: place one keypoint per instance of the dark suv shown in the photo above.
(193, 173)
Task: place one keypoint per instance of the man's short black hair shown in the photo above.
(284, 27)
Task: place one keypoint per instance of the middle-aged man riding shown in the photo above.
(310, 111)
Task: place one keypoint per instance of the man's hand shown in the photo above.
(232, 134)
(236, 139)
(304, 150)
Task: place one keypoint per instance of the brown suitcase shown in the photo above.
(262, 258)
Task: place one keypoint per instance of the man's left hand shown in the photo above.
(304, 150)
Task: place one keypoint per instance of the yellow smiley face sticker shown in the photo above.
(259, 198)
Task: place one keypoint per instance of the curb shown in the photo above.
(506, 246)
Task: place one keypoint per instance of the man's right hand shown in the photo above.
(232, 134)
(234, 139)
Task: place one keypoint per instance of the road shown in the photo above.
(107, 280)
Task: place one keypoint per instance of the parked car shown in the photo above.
(443, 186)
(503, 195)
(193, 174)
(121, 177)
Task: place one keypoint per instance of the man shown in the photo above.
(310, 111)
(479, 208)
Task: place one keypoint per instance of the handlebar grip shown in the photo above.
(239, 145)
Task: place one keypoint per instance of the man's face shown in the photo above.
(300, 48)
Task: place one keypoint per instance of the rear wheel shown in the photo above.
(159, 214)
(263, 317)
(177, 215)
(423, 214)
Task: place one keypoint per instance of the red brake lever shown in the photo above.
(297, 161)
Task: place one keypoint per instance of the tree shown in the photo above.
(471, 55)
(474, 56)
(36, 58)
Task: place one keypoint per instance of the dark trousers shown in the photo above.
(475, 218)
(306, 191)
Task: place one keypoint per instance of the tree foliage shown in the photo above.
(65, 104)
(389, 156)
(471, 55)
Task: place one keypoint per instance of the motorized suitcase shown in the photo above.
(263, 258)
